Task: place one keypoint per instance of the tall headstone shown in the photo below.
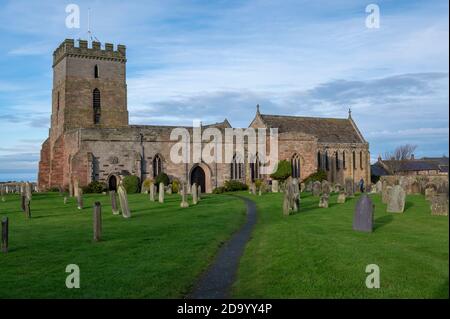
(194, 194)
(123, 200)
(316, 188)
(97, 221)
(152, 192)
(79, 198)
(364, 212)
(5, 234)
(253, 188)
(349, 187)
(439, 205)
(397, 198)
(76, 188)
(28, 193)
(302, 187)
(161, 193)
(430, 191)
(71, 188)
(199, 192)
(184, 202)
(385, 194)
(114, 208)
(291, 199)
(274, 186)
(27, 208)
(23, 199)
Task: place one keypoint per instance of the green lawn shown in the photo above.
(158, 253)
(316, 254)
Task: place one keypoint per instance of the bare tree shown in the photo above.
(398, 156)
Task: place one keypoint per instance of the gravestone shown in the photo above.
(70, 189)
(275, 186)
(396, 203)
(152, 192)
(144, 189)
(169, 189)
(364, 212)
(123, 200)
(337, 188)
(161, 193)
(253, 188)
(114, 208)
(326, 188)
(323, 202)
(316, 188)
(22, 201)
(430, 191)
(349, 187)
(199, 192)
(439, 205)
(2, 190)
(309, 186)
(291, 198)
(194, 194)
(65, 200)
(341, 198)
(27, 208)
(302, 187)
(79, 198)
(415, 188)
(28, 191)
(183, 192)
(379, 186)
(5, 234)
(385, 194)
(22, 189)
(97, 223)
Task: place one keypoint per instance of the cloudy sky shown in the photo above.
(210, 60)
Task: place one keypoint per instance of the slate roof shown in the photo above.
(413, 165)
(327, 130)
(378, 170)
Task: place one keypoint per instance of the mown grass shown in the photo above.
(316, 254)
(158, 253)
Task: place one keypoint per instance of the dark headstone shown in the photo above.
(364, 211)
(97, 221)
(5, 234)
(27, 208)
(22, 202)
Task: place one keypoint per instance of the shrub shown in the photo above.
(162, 178)
(175, 186)
(258, 183)
(94, 187)
(284, 170)
(131, 184)
(219, 190)
(320, 175)
(232, 186)
(146, 184)
(53, 190)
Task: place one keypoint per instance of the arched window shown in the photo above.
(361, 160)
(97, 106)
(295, 163)
(237, 167)
(96, 71)
(327, 163)
(354, 159)
(157, 165)
(336, 154)
(319, 161)
(344, 164)
(254, 168)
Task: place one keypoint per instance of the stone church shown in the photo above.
(90, 138)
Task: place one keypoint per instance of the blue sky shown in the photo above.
(211, 60)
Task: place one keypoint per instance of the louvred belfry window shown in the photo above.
(97, 106)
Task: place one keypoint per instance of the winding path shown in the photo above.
(216, 281)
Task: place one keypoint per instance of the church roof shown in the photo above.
(327, 130)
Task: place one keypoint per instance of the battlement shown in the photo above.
(68, 48)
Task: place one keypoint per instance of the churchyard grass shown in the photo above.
(157, 253)
(316, 254)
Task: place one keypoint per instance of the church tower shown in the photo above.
(89, 87)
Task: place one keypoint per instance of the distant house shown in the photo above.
(412, 166)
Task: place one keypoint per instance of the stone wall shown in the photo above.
(417, 183)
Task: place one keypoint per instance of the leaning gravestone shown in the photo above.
(123, 200)
(341, 198)
(316, 188)
(184, 202)
(152, 192)
(5, 234)
(439, 205)
(97, 221)
(194, 194)
(274, 186)
(364, 212)
(161, 193)
(323, 202)
(114, 208)
(396, 202)
(349, 187)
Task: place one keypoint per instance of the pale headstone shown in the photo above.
(123, 200)
(71, 189)
(309, 186)
(364, 212)
(439, 205)
(341, 198)
(323, 202)
(79, 193)
(275, 186)
(65, 200)
(76, 188)
(152, 192)
(169, 189)
(302, 187)
(114, 208)
(385, 194)
(430, 192)
(2, 190)
(349, 187)
(194, 194)
(379, 186)
(397, 198)
(291, 199)
(183, 192)
(337, 188)
(97, 221)
(161, 193)
(316, 188)
(28, 191)
(253, 188)
(415, 188)
(199, 192)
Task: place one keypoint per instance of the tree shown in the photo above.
(284, 170)
(398, 156)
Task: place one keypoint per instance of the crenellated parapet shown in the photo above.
(69, 48)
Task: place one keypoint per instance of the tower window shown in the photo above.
(97, 106)
(96, 71)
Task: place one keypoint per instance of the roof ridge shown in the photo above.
(307, 117)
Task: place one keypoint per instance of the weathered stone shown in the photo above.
(326, 188)
(123, 200)
(27, 208)
(430, 191)
(23, 198)
(152, 192)
(396, 203)
(76, 187)
(183, 192)
(337, 188)
(291, 199)
(194, 194)
(323, 202)
(97, 221)
(316, 188)
(161, 193)
(253, 188)
(364, 212)
(5, 234)
(169, 189)
(2, 193)
(349, 187)
(302, 187)
(415, 188)
(368, 188)
(275, 186)
(199, 192)
(385, 194)
(79, 193)
(28, 191)
(439, 205)
(379, 186)
(341, 198)
(65, 200)
(114, 208)
(309, 186)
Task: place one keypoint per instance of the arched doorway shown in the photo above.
(198, 177)
(112, 183)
